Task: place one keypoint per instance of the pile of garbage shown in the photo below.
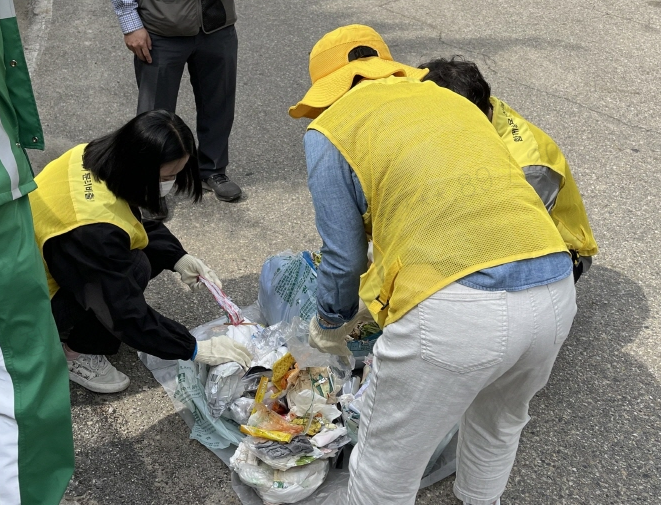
(281, 413)
(293, 433)
(282, 424)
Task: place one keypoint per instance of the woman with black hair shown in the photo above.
(99, 255)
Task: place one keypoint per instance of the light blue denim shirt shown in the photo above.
(339, 204)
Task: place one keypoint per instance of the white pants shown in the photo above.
(462, 355)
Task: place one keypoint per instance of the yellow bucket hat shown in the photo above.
(338, 58)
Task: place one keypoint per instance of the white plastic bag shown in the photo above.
(215, 433)
(224, 385)
(241, 333)
(306, 402)
(277, 486)
(288, 287)
(240, 409)
(189, 388)
(326, 436)
(265, 349)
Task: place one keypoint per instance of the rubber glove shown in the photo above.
(190, 268)
(222, 349)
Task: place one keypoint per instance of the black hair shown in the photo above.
(462, 77)
(356, 80)
(129, 160)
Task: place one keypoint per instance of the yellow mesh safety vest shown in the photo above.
(445, 199)
(68, 196)
(529, 145)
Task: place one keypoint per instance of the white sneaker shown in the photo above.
(94, 372)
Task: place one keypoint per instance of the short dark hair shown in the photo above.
(462, 77)
(129, 160)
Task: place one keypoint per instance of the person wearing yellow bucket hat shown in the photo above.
(341, 56)
(470, 280)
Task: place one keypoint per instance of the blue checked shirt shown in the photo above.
(127, 13)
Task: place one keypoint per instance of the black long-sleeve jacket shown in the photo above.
(92, 262)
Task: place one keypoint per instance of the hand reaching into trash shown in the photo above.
(333, 340)
(329, 340)
(190, 268)
(222, 349)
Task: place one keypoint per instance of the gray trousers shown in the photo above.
(211, 60)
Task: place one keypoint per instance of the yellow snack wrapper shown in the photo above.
(280, 369)
(278, 436)
(315, 427)
(261, 391)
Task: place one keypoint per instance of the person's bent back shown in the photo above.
(428, 223)
(541, 160)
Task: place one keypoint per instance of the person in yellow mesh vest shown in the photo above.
(99, 255)
(540, 158)
(471, 280)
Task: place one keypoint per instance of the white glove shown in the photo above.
(332, 340)
(190, 268)
(222, 349)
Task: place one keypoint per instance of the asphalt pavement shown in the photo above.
(586, 72)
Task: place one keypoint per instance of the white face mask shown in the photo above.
(165, 187)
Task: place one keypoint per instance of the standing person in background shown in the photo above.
(164, 37)
(540, 158)
(36, 443)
